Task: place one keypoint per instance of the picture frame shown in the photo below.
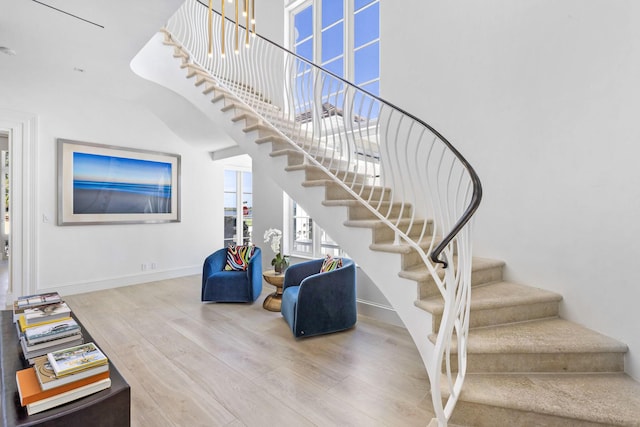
(106, 184)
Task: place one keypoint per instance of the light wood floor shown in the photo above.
(194, 364)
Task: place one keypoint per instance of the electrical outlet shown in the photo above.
(153, 265)
(143, 267)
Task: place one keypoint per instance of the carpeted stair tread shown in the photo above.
(373, 223)
(554, 335)
(608, 399)
(402, 248)
(495, 295)
(420, 273)
(357, 187)
(355, 203)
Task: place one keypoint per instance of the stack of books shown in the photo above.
(31, 301)
(40, 340)
(63, 376)
(44, 325)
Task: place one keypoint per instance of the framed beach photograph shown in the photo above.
(104, 184)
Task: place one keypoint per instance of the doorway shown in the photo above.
(21, 129)
(5, 224)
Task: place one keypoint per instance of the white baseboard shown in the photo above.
(379, 312)
(116, 282)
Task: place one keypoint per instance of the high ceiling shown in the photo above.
(87, 45)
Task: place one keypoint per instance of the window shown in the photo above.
(302, 232)
(306, 238)
(343, 36)
(366, 49)
(238, 223)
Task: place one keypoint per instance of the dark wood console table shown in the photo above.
(110, 407)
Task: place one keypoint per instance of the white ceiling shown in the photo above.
(51, 45)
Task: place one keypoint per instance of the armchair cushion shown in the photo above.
(238, 257)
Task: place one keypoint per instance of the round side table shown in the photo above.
(273, 301)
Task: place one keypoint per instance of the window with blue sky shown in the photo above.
(342, 36)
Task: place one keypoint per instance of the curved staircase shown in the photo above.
(525, 365)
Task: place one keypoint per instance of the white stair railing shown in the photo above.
(394, 164)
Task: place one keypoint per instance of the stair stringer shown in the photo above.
(155, 63)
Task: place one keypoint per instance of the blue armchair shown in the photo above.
(220, 285)
(315, 303)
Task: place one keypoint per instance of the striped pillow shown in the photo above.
(330, 263)
(238, 257)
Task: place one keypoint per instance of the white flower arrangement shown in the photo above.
(273, 237)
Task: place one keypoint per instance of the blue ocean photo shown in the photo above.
(119, 185)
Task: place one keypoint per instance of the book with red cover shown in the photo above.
(30, 391)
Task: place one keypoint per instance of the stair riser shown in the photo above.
(279, 144)
(502, 315)
(293, 158)
(314, 174)
(383, 234)
(360, 213)
(330, 163)
(197, 74)
(427, 288)
(249, 97)
(179, 53)
(262, 131)
(376, 194)
(411, 259)
(248, 119)
(542, 362)
(479, 415)
(288, 129)
(202, 80)
(487, 275)
(222, 98)
(211, 89)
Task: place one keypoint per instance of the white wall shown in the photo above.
(542, 98)
(267, 209)
(80, 258)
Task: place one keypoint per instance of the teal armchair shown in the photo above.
(219, 285)
(315, 303)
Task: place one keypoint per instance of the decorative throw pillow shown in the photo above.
(330, 263)
(238, 257)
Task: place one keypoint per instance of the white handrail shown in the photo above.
(398, 167)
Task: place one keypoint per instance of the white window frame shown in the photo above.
(317, 248)
(295, 6)
(238, 239)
